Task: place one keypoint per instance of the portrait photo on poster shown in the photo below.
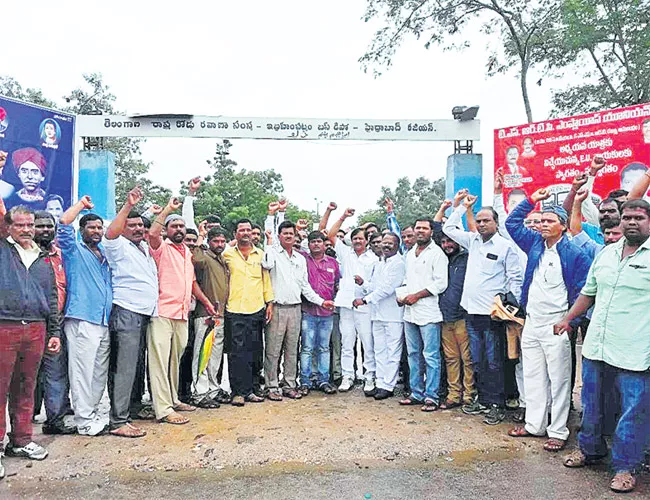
(36, 157)
(551, 154)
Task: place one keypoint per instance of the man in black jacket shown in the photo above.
(28, 307)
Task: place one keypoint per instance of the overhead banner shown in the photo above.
(552, 153)
(36, 145)
(223, 127)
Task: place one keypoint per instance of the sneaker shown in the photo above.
(495, 416)
(346, 385)
(369, 388)
(32, 451)
(474, 408)
(327, 388)
(2, 467)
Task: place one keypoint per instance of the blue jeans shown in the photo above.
(633, 428)
(487, 348)
(316, 332)
(56, 386)
(423, 347)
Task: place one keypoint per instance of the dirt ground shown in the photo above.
(316, 444)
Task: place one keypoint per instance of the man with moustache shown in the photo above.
(54, 385)
(289, 278)
(168, 332)
(493, 267)
(135, 301)
(28, 316)
(617, 350)
(87, 310)
(426, 280)
(386, 314)
(318, 321)
(213, 276)
(356, 264)
(249, 307)
(555, 273)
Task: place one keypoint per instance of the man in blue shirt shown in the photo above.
(86, 313)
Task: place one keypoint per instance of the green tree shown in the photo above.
(606, 44)
(234, 193)
(95, 97)
(522, 26)
(422, 198)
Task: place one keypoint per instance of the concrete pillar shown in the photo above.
(465, 171)
(97, 180)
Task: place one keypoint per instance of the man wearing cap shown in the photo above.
(167, 334)
(30, 168)
(555, 273)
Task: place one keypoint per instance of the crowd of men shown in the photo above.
(478, 310)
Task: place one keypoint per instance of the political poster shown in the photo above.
(551, 153)
(36, 147)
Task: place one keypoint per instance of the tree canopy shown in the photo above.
(234, 193)
(422, 198)
(597, 51)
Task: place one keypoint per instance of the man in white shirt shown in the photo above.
(288, 269)
(493, 267)
(356, 265)
(426, 279)
(386, 315)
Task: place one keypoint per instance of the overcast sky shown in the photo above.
(258, 58)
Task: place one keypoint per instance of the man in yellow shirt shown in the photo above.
(249, 307)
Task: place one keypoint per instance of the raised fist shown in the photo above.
(540, 195)
(174, 203)
(87, 202)
(194, 185)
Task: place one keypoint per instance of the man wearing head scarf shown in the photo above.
(556, 272)
(30, 166)
(168, 333)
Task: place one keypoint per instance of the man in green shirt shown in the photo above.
(616, 353)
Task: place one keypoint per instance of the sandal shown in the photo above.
(145, 413)
(520, 432)
(238, 401)
(292, 394)
(623, 482)
(449, 404)
(409, 401)
(175, 418)
(254, 398)
(274, 396)
(577, 459)
(555, 444)
(128, 431)
(430, 405)
(184, 407)
(208, 403)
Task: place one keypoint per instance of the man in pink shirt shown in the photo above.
(167, 335)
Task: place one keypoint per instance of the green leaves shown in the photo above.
(422, 198)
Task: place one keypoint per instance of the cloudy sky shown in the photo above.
(287, 58)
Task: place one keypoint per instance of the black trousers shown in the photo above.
(243, 334)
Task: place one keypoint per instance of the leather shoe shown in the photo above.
(383, 394)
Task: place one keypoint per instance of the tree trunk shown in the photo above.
(524, 90)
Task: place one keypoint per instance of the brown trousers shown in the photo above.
(460, 373)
